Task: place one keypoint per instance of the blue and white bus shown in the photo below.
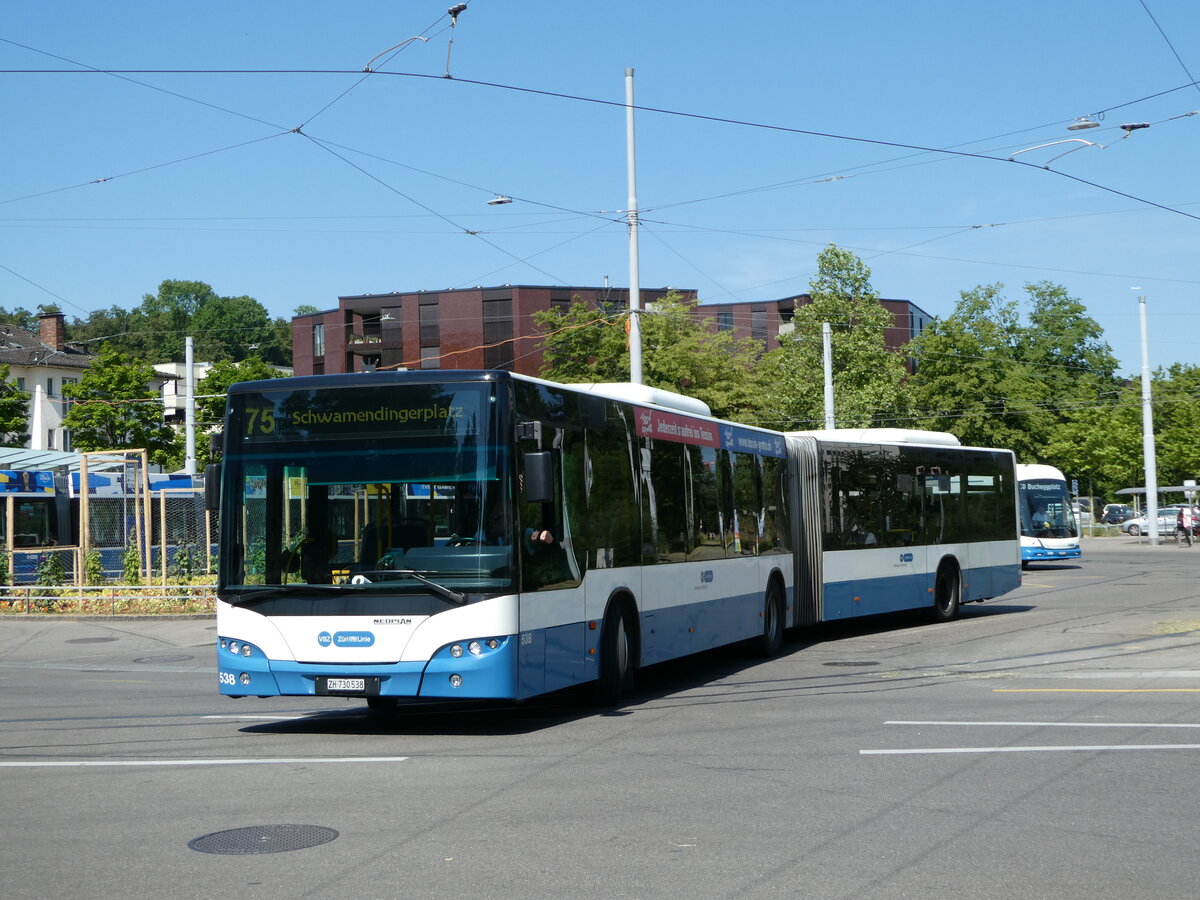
(1049, 530)
(454, 534)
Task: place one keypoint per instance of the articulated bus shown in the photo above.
(436, 534)
(1049, 530)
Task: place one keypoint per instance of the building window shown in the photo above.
(497, 334)
(20, 383)
(430, 336)
(67, 401)
(431, 357)
(725, 321)
(318, 341)
(50, 386)
(758, 324)
(49, 438)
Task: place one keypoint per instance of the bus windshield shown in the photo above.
(1046, 509)
(396, 489)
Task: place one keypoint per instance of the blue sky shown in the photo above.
(778, 128)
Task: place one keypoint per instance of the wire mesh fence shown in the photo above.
(121, 525)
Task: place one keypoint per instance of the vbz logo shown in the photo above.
(906, 557)
(706, 576)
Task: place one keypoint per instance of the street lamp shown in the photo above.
(1148, 460)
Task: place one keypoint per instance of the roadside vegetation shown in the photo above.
(1030, 372)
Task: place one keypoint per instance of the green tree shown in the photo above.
(231, 328)
(867, 376)
(583, 343)
(680, 352)
(14, 412)
(1100, 443)
(210, 397)
(19, 316)
(120, 328)
(1035, 387)
(114, 408)
(167, 317)
(1177, 423)
(971, 380)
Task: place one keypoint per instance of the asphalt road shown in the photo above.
(1045, 744)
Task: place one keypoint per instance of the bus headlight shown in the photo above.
(244, 678)
(474, 648)
(455, 681)
(456, 651)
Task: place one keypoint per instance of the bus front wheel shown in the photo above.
(616, 658)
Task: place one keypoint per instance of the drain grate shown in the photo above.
(263, 839)
(95, 640)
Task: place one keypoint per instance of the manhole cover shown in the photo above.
(852, 664)
(263, 839)
(177, 657)
(96, 640)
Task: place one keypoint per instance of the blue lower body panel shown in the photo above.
(1034, 554)
(490, 675)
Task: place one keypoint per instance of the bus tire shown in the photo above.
(616, 657)
(770, 642)
(947, 592)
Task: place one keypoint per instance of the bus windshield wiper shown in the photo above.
(440, 589)
(260, 593)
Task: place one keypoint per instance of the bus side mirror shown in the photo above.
(539, 477)
(212, 486)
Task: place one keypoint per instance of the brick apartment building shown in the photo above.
(493, 327)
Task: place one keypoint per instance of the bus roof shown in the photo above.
(882, 436)
(647, 396)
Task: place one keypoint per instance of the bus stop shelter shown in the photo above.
(1188, 491)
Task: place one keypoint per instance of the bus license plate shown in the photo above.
(345, 684)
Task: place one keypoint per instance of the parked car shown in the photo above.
(1141, 525)
(1116, 513)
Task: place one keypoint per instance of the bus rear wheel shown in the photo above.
(947, 592)
(770, 642)
(616, 658)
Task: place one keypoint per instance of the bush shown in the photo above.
(93, 568)
(132, 560)
(50, 572)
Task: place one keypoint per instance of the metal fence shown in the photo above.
(167, 535)
(108, 600)
(123, 531)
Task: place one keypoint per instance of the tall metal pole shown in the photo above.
(189, 408)
(1148, 433)
(827, 359)
(635, 296)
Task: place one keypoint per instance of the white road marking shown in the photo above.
(47, 764)
(1085, 748)
(1060, 724)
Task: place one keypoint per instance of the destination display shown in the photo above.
(359, 412)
